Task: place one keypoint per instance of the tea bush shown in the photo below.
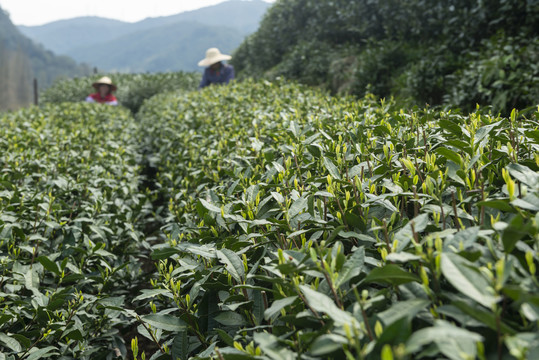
(133, 89)
(505, 74)
(72, 218)
(449, 48)
(305, 226)
(268, 221)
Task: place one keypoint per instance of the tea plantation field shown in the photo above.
(268, 221)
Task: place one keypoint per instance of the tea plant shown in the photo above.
(133, 89)
(281, 222)
(305, 226)
(452, 52)
(71, 231)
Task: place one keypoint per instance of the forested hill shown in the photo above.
(457, 52)
(21, 61)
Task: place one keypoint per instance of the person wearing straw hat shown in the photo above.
(216, 71)
(105, 88)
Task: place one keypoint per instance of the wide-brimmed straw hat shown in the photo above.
(105, 80)
(213, 56)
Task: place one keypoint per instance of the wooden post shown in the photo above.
(36, 94)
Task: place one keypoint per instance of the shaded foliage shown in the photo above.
(414, 48)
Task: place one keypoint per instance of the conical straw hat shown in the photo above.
(213, 56)
(105, 80)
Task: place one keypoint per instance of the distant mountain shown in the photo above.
(21, 60)
(174, 42)
(244, 15)
(166, 48)
(61, 36)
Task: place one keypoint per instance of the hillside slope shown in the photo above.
(21, 60)
(456, 52)
(91, 39)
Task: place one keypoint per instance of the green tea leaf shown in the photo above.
(387, 353)
(533, 134)
(402, 257)
(165, 322)
(524, 345)
(49, 265)
(295, 129)
(402, 309)
(450, 126)
(151, 293)
(42, 353)
(466, 278)
(483, 132)
(531, 311)
(230, 318)
(233, 263)
(202, 250)
(278, 197)
(391, 274)
(529, 202)
(449, 154)
(297, 206)
(277, 306)
(524, 175)
(209, 206)
(324, 304)
(225, 337)
(324, 194)
(515, 230)
(32, 280)
(332, 169)
(180, 346)
(270, 345)
(160, 254)
(502, 205)
(442, 332)
(327, 344)
(485, 317)
(10, 342)
(352, 267)
(74, 335)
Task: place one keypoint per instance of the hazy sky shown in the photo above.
(38, 12)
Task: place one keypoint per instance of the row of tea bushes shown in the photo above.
(72, 218)
(133, 89)
(305, 226)
(298, 225)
